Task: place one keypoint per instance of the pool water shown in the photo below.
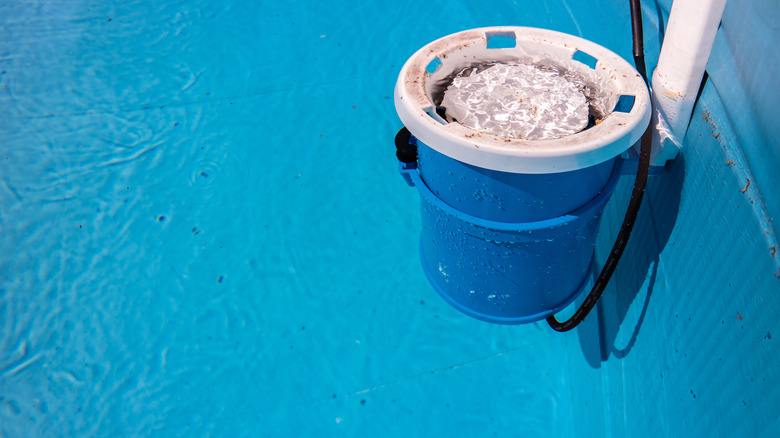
(203, 233)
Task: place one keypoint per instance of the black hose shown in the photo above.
(638, 36)
(633, 205)
(620, 242)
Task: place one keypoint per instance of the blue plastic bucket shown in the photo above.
(506, 196)
(508, 224)
(494, 267)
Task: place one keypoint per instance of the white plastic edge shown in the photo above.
(617, 132)
(686, 49)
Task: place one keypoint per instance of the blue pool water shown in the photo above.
(203, 233)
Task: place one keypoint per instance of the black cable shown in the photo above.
(620, 243)
(633, 205)
(637, 35)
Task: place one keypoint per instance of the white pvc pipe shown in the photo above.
(687, 44)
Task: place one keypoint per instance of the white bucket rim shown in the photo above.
(614, 135)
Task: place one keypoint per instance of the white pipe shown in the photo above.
(687, 44)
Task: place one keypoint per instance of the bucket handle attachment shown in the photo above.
(406, 152)
(405, 147)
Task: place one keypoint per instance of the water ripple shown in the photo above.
(205, 173)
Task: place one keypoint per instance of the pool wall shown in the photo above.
(203, 233)
(700, 279)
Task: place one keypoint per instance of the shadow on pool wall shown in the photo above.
(615, 323)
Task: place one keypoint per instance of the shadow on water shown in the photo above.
(618, 312)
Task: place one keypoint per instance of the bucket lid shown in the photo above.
(428, 72)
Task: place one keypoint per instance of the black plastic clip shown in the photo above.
(405, 150)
